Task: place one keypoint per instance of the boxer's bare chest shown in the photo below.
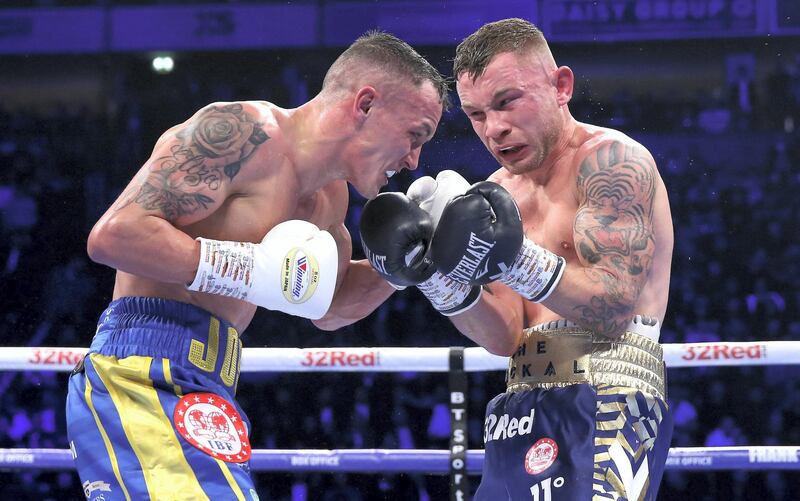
(548, 214)
(547, 219)
(325, 208)
(553, 232)
(271, 199)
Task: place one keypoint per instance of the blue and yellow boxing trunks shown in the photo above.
(151, 412)
(583, 417)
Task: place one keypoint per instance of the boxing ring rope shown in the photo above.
(424, 360)
(751, 458)
(417, 359)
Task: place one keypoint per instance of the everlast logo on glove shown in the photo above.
(479, 235)
(467, 270)
(377, 262)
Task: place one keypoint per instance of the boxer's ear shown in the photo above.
(365, 99)
(564, 81)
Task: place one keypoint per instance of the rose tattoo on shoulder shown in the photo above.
(222, 132)
(208, 150)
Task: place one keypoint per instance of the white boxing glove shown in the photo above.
(432, 195)
(292, 270)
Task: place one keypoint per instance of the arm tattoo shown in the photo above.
(210, 149)
(613, 229)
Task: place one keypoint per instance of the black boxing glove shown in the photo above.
(446, 295)
(396, 236)
(479, 235)
(480, 239)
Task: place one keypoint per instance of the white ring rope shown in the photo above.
(417, 359)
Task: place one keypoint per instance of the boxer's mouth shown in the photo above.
(509, 150)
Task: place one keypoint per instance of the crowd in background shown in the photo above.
(729, 166)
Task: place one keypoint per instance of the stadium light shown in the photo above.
(163, 64)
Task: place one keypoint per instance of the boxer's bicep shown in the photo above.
(195, 165)
(359, 289)
(613, 228)
(194, 168)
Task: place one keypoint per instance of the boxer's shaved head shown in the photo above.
(514, 35)
(378, 57)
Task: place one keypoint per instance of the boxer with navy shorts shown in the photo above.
(560, 261)
(583, 417)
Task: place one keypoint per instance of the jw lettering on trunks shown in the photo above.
(506, 427)
(467, 268)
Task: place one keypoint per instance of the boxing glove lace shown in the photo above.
(447, 296)
(480, 239)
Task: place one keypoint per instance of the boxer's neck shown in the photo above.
(313, 135)
(549, 168)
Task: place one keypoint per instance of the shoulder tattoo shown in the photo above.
(613, 226)
(207, 151)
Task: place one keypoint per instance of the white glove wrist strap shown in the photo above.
(448, 296)
(535, 272)
(225, 268)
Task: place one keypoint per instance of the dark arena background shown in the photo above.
(711, 87)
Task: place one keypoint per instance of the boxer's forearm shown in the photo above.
(495, 322)
(595, 298)
(147, 246)
(361, 291)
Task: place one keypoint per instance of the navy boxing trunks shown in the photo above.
(583, 417)
(151, 412)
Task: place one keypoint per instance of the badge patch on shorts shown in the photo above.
(212, 424)
(541, 456)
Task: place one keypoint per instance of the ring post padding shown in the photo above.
(459, 483)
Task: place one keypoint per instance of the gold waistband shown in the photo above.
(562, 354)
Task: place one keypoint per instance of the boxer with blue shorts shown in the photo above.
(238, 207)
(152, 411)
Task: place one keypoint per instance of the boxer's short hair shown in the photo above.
(385, 52)
(514, 35)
